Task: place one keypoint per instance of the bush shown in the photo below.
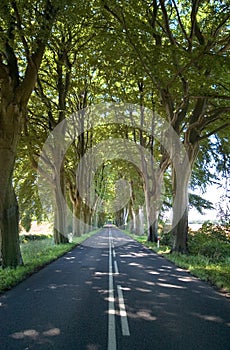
(216, 231)
(210, 241)
(36, 237)
(166, 238)
(215, 250)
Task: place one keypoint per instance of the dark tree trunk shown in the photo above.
(153, 188)
(60, 220)
(78, 217)
(101, 219)
(60, 225)
(10, 125)
(11, 255)
(87, 213)
(180, 235)
(119, 218)
(153, 232)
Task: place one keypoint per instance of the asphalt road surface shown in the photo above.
(111, 293)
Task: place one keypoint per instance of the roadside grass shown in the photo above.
(208, 258)
(36, 253)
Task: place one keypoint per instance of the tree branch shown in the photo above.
(180, 22)
(195, 29)
(122, 21)
(210, 96)
(213, 132)
(19, 24)
(166, 21)
(152, 16)
(214, 116)
(28, 83)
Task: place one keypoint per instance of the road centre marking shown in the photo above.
(123, 313)
(112, 342)
(111, 321)
(116, 267)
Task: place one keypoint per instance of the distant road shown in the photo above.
(111, 293)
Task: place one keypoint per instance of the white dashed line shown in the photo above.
(111, 317)
(123, 313)
(116, 268)
(112, 342)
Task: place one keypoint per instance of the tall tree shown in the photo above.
(25, 29)
(183, 49)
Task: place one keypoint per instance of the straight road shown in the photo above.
(111, 293)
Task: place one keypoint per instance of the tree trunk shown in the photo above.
(142, 220)
(60, 219)
(139, 221)
(180, 185)
(101, 219)
(15, 92)
(131, 219)
(60, 224)
(180, 212)
(11, 255)
(76, 223)
(153, 232)
(87, 213)
(134, 222)
(10, 125)
(78, 217)
(180, 234)
(153, 204)
(125, 218)
(60, 227)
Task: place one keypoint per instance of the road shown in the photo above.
(111, 293)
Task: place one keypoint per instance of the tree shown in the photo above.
(60, 92)
(25, 29)
(182, 48)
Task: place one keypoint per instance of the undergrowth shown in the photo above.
(37, 251)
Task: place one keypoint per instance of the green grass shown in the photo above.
(36, 254)
(209, 257)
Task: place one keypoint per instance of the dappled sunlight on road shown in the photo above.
(167, 285)
(149, 283)
(142, 314)
(158, 297)
(40, 337)
(143, 290)
(70, 258)
(160, 293)
(185, 279)
(210, 318)
(92, 347)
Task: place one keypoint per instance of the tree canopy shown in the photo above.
(60, 58)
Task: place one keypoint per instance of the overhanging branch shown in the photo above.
(213, 132)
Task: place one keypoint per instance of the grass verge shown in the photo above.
(36, 254)
(213, 270)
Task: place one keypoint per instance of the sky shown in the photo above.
(213, 194)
